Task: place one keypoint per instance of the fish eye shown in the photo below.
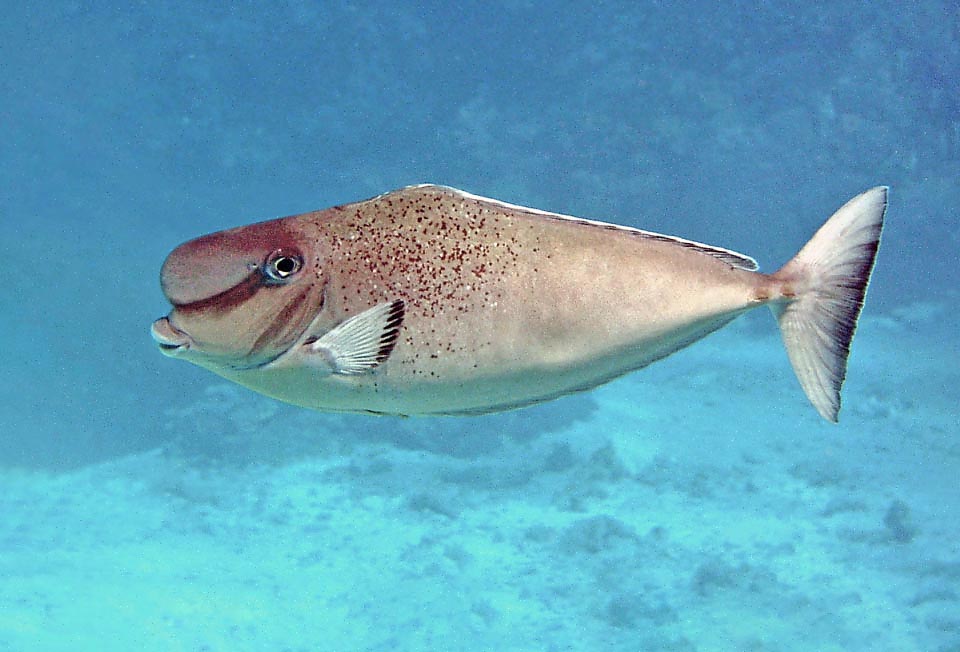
(281, 266)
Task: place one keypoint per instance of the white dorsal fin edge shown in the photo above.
(732, 258)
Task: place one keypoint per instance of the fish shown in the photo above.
(430, 300)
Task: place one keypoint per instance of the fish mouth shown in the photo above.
(171, 339)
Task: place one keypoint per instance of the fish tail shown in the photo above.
(821, 293)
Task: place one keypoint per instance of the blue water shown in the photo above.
(700, 504)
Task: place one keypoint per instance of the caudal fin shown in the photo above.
(824, 286)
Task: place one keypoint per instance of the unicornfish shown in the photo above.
(432, 301)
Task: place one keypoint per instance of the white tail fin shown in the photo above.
(825, 285)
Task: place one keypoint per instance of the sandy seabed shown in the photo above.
(698, 505)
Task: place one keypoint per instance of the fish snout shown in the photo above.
(203, 268)
(171, 339)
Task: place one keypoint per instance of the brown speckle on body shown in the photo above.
(502, 305)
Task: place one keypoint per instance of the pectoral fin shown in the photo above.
(362, 342)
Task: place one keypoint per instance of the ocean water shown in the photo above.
(697, 505)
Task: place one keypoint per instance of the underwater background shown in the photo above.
(698, 505)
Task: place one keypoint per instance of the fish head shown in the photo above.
(242, 297)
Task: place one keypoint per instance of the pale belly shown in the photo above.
(483, 384)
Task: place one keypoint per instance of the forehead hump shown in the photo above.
(206, 266)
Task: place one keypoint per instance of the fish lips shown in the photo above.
(171, 339)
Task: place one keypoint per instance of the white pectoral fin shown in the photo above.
(362, 342)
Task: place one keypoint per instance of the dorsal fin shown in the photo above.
(732, 258)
